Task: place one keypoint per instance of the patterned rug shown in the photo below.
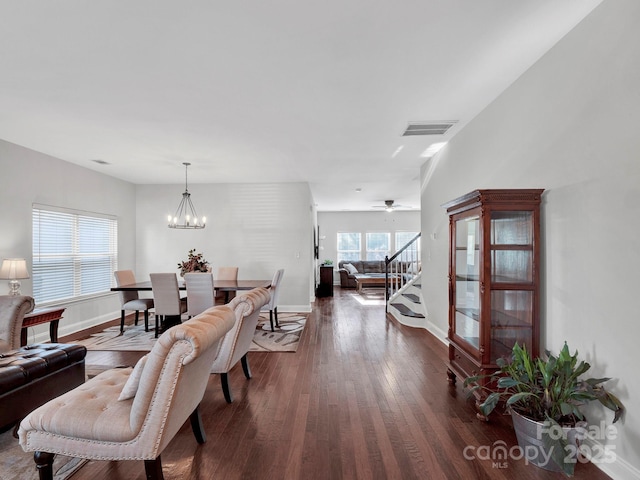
(284, 339)
(134, 338)
(16, 464)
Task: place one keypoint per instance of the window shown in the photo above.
(378, 245)
(402, 238)
(348, 246)
(74, 253)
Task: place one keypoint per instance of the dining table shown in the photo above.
(221, 285)
(226, 286)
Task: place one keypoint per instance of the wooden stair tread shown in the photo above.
(412, 296)
(406, 311)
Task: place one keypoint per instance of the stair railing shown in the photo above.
(402, 267)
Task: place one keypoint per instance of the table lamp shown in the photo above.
(14, 269)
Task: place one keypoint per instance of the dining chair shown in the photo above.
(200, 293)
(130, 300)
(226, 273)
(272, 306)
(169, 306)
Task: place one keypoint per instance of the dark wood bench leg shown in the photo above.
(245, 366)
(121, 321)
(153, 469)
(197, 427)
(224, 380)
(271, 319)
(44, 464)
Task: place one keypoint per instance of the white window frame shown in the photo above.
(377, 254)
(72, 259)
(346, 254)
(410, 236)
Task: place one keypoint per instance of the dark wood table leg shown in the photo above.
(53, 330)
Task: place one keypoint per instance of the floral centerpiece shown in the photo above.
(195, 263)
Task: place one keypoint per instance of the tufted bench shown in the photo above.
(33, 375)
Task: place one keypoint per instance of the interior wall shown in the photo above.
(568, 125)
(331, 223)
(258, 227)
(32, 177)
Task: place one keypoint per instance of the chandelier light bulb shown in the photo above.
(186, 211)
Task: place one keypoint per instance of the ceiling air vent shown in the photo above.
(428, 128)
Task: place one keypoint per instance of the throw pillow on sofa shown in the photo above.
(350, 268)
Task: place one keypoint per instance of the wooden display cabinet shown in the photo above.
(494, 270)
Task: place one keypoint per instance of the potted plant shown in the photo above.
(195, 263)
(544, 396)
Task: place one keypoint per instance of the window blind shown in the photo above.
(74, 253)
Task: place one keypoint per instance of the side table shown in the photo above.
(39, 316)
(325, 288)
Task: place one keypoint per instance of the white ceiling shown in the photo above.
(263, 91)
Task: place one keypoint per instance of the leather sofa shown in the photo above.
(34, 374)
(31, 376)
(373, 268)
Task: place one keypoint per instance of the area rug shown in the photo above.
(134, 338)
(284, 339)
(16, 464)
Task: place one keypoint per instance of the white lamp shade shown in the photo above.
(14, 268)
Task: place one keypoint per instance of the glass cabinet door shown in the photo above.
(467, 281)
(511, 281)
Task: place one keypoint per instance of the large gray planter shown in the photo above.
(530, 440)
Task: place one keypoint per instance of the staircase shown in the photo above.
(406, 304)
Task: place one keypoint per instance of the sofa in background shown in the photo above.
(364, 267)
(374, 269)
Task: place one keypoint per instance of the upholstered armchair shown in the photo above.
(237, 341)
(13, 308)
(132, 414)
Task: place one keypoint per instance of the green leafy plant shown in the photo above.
(328, 262)
(546, 389)
(195, 263)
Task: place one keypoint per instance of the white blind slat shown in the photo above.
(74, 254)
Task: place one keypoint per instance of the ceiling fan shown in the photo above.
(390, 206)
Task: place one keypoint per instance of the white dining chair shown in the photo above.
(130, 300)
(169, 306)
(200, 293)
(226, 273)
(272, 306)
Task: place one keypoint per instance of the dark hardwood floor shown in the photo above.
(363, 398)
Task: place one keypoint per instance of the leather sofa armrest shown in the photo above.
(346, 279)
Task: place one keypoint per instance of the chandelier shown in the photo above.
(186, 216)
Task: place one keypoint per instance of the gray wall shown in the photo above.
(260, 228)
(569, 125)
(331, 223)
(31, 177)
